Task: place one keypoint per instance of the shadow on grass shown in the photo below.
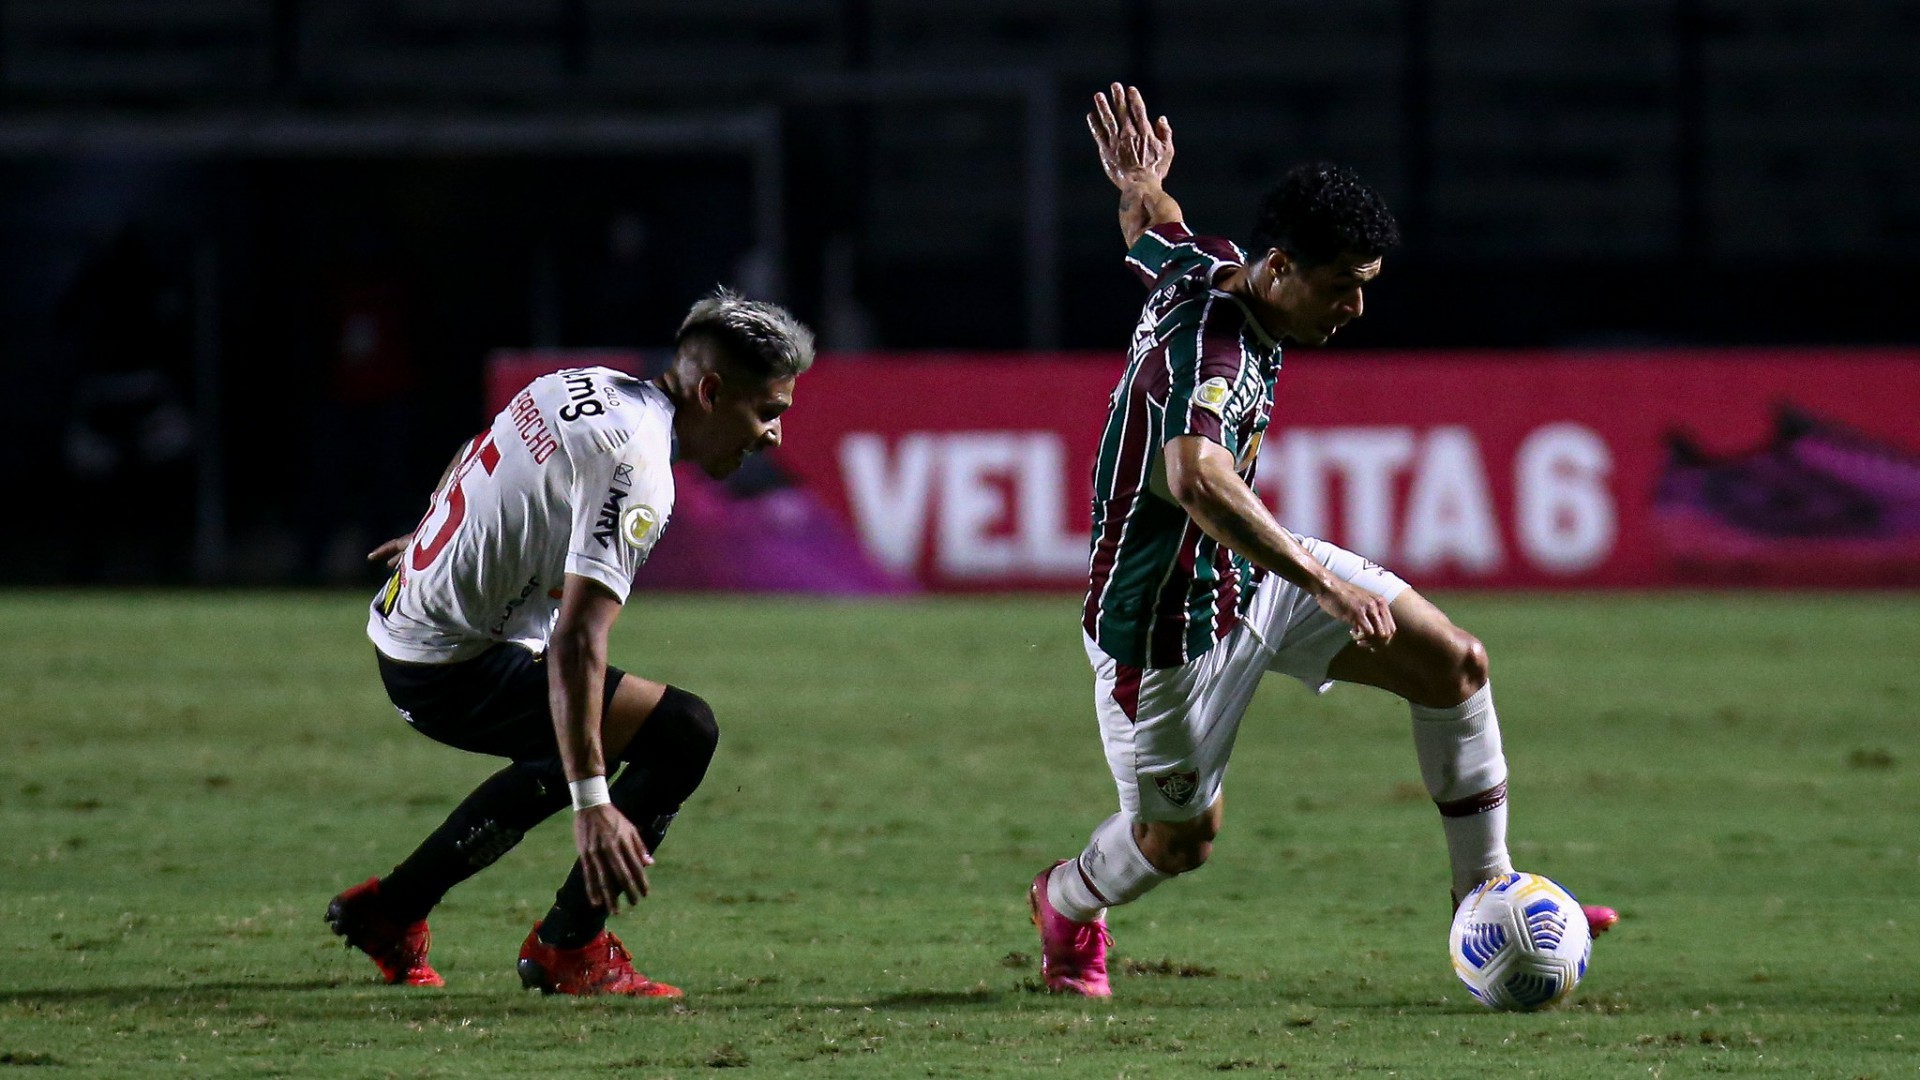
(110, 995)
(935, 999)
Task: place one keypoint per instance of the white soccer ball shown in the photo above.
(1520, 943)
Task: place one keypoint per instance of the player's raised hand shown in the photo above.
(389, 553)
(1369, 620)
(613, 858)
(1134, 150)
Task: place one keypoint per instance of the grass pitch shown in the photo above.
(188, 778)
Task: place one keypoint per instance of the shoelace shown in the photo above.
(619, 965)
(1091, 930)
(414, 942)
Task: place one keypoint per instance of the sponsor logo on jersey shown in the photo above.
(623, 473)
(640, 527)
(1212, 395)
(1249, 453)
(1179, 787)
(581, 395)
(609, 520)
(499, 626)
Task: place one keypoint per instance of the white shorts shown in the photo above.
(1168, 732)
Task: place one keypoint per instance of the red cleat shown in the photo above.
(1599, 919)
(1073, 955)
(399, 950)
(601, 966)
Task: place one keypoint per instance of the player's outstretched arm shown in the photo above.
(613, 858)
(1201, 479)
(1136, 153)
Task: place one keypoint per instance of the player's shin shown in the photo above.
(1466, 773)
(485, 826)
(667, 760)
(1111, 871)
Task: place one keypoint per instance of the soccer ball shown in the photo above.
(1520, 942)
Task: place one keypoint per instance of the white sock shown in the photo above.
(1466, 773)
(1111, 871)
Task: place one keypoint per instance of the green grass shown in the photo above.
(186, 779)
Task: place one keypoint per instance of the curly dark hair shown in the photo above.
(1321, 211)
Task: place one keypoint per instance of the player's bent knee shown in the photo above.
(1179, 847)
(1473, 666)
(682, 725)
(1455, 672)
(699, 727)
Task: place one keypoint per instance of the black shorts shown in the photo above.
(495, 703)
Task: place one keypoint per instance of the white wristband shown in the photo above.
(589, 792)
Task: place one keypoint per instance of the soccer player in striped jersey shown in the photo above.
(491, 637)
(1195, 592)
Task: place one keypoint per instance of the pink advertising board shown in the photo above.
(1640, 469)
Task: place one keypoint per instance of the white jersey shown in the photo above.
(574, 477)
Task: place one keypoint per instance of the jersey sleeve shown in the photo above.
(617, 515)
(1205, 364)
(1172, 250)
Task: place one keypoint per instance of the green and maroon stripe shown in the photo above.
(1159, 590)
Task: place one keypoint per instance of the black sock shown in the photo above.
(665, 763)
(481, 829)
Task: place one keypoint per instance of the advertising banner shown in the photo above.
(1536, 469)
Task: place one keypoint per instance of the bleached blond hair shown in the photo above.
(762, 340)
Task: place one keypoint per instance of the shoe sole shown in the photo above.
(533, 976)
(337, 918)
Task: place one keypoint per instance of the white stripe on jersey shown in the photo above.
(575, 476)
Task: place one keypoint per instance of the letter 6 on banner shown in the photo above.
(1476, 469)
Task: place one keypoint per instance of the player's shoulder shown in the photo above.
(1183, 245)
(601, 410)
(630, 441)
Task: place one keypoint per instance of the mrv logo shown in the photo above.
(607, 525)
(980, 505)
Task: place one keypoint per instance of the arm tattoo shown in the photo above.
(1126, 203)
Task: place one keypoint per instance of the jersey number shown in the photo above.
(487, 456)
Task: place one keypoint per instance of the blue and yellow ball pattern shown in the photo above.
(1520, 942)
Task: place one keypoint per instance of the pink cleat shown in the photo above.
(1599, 919)
(1073, 955)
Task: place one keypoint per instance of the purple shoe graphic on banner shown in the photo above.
(1819, 503)
(766, 535)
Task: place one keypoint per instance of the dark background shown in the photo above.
(258, 250)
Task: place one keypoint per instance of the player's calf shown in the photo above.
(1464, 768)
(666, 761)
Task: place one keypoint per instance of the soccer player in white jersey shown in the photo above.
(491, 636)
(1195, 591)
